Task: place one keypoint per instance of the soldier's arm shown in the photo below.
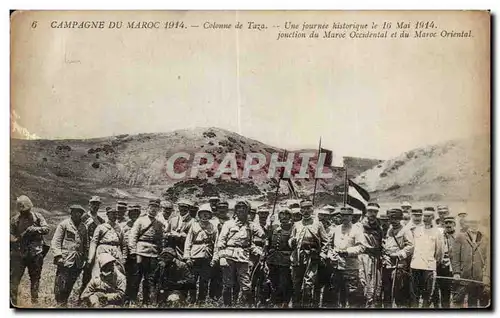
(221, 241)
(188, 244)
(43, 227)
(258, 237)
(93, 244)
(118, 296)
(89, 290)
(408, 245)
(123, 244)
(134, 236)
(456, 252)
(57, 240)
(359, 244)
(293, 237)
(324, 240)
(439, 247)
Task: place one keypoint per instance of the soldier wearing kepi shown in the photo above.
(278, 253)
(323, 282)
(121, 211)
(199, 250)
(296, 214)
(108, 238)
(406, 208)
(131, 266)
(470, 260)
(443, 286)
(370, 274)
(397, 251)
(443, 212)
(107, 289)
(70, 248)
(308, 240)
(347, 243)
(145, 241)
(216, 279)
(27, 247)
(91, 220)
(180, 226)
(428, 252)
(214, 201)
(233, 249)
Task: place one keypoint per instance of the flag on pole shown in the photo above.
(328, 157)
(357, 197)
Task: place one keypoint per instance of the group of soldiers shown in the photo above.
(290, 254)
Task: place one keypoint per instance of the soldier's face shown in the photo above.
(417, 219)
(449, 226)
(428, 219)
(153, 210)
(323, 218)
(395, 222)
(371, 215)
(251, 216)
(121, 213)
(167, 212)
(94, 206)
(222, 211)
(263, 217)
(112, 216)
(204, 216)
(242, 213)
(134, 215)
(285, 218)
(306, 211)
(107, 270)
(346, 218)
(76, 215)
(183, 210)
(473, 226)
(442, 214)
(296, 217)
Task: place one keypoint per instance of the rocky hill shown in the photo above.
(56, 173)
(451, 171)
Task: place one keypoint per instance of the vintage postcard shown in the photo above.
(250, 159)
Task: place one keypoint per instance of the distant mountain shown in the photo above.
(454, 171)
(56, 173)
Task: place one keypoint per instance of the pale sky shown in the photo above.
(372, 98)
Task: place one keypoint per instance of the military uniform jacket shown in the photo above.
(200, 240)
(146, 240)
(351, 240)
(71, 243)
(401, 243)
(469, 256)
(448, 240)
(113, 290)
(91, 223)
(236, 242)
(126, 237)
(108, 238)
(278, 250)
(28, 243)
(308, 238)
(428, 250)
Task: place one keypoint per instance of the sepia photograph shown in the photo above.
(250, 159)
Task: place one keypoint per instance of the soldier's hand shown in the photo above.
(456, 276)
(223, 262)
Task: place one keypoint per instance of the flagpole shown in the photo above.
(346, 185)
(278, 189)
(316, 179)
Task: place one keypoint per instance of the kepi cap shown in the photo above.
(95, 198)
(76, 207)
(154, 202)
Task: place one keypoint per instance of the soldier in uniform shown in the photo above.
(179, 226)
(470, 258)
(216, 278)
(108, 238)
(252, 214)
(296, 214)
(175, 279)
(335, 219)
(406, 208)
(91, 220)
(428, 252)
(263, 213)
(145, 241)
(70, 248)
(121, 211)
(356, 217)
(277, 254)
(28, 248)
(443, 286)
(462, 217)
(107, 289)
(131, 266)
(214, 201)
(416, 219)
(370, 274)
(443, 212)
(167, 209)
(383, 218)
(233, 249)
(346, 244)
(397, 252)
(307, 240)
(199, 249)
(324, 271)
